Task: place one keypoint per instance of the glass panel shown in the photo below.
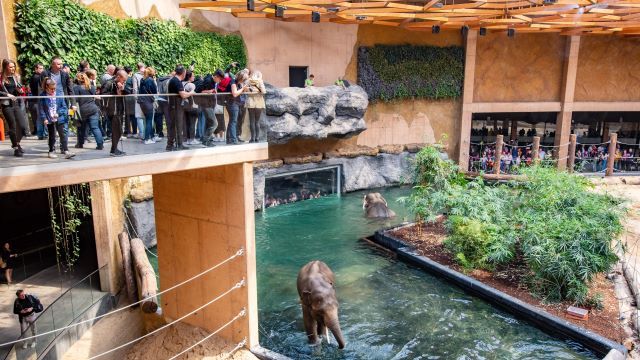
(298, 186)
(81, 297)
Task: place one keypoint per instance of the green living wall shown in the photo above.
(46, 28)
(390, 72)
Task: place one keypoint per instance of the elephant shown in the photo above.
(375, 206)
(319, 302)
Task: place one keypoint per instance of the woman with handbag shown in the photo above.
(148, 103)
(13, 108)
(255, 104)
(8, 258)
(89, 110)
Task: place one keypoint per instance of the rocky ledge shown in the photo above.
(314, 112)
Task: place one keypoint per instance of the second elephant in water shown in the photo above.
(375, 206)
(319, 302)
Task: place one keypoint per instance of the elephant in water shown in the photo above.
(375, 206)
(319, 302)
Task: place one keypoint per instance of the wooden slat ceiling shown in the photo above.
(567, 17)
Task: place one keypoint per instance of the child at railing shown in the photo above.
(55, 115)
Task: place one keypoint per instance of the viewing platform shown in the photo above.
(35, 170)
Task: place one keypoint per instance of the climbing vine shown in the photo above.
(46, 28)
(68, 206)
(389, 72)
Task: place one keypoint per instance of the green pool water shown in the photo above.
(388, 310)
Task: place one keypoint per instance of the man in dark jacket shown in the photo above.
(36, 89)
(115, 108)
(64, 85)
(25, 307)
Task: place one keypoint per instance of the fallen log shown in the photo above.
(129, 279)
(145, 277)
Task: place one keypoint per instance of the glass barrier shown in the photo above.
(64, 311)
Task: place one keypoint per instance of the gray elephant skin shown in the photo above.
(319, 302)
(375, 206)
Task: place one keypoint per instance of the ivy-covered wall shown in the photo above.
(390, 72)
(45, 28)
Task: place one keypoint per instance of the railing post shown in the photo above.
(496, 162)
(535, 152)
(613, 140)
(572, 152)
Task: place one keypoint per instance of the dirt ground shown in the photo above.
(428, 242)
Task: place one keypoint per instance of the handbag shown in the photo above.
(218, 109)
(3, 265)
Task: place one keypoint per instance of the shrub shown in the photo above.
(561, 231)
(388, 72)
(46, 28)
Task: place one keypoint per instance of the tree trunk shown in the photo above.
(145, 276)
(129, 279)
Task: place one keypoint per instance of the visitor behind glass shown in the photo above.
(147, 103)
(255, 104)
(55, 115)
(175, 123)
(35, 88)
(115, 108)
(89, 111)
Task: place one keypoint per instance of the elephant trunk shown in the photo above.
(333, 324)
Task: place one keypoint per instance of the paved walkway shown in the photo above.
(36, 151)
(61, 307)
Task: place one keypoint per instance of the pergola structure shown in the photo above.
(567, 17)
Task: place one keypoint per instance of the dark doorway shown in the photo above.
(297, 75)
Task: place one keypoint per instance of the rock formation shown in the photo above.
(315, 112)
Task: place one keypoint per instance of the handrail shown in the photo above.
(27, 234)
(50, 306)
(36, 250)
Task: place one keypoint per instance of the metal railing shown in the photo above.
(63, 311)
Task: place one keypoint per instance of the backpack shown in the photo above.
(37, 305)
(128, 86)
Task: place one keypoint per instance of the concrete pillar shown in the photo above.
(498, 157)
(203, 217)
(572, 152)
(563, 121)
(613, 138)
(605, 132)
(467, 99)
(106, 235)
(514, 129)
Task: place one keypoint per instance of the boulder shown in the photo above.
(352, 152)
(414, 148)
(268, 164)
(141, 191)
(391, 149)
(142, 222)
(305, 159)
(314, 112)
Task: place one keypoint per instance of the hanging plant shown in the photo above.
(68, 208)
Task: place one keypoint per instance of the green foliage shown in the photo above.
(68, 208)
(46, 28)
(551, 224)
(388, 72)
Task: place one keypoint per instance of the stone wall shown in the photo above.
(527, 67)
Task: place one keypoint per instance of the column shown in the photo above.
(563, 121)
(467, 99)
(203, 217)
(106, 235)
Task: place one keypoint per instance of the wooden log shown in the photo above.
(572, 152)
(129, 279)
(145, 276)
(613, 140)
(498, 155)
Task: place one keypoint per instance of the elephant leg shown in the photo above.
(310, 326)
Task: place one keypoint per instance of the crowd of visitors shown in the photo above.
(142, 105)
(271, 201)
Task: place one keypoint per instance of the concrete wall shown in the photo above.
(608, 69)
(525, 68)
(202, 218)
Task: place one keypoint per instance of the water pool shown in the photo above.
(388, 310)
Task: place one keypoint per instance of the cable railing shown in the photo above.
(52, 321)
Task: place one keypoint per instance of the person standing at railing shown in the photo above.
(9, 259)
(13, 108)
(175, 123)
(55, 115)
(148, 103)
(115, 108)
(36, 88)
(255, 104)
(89, 111)
(234, 104)
(26, 306)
